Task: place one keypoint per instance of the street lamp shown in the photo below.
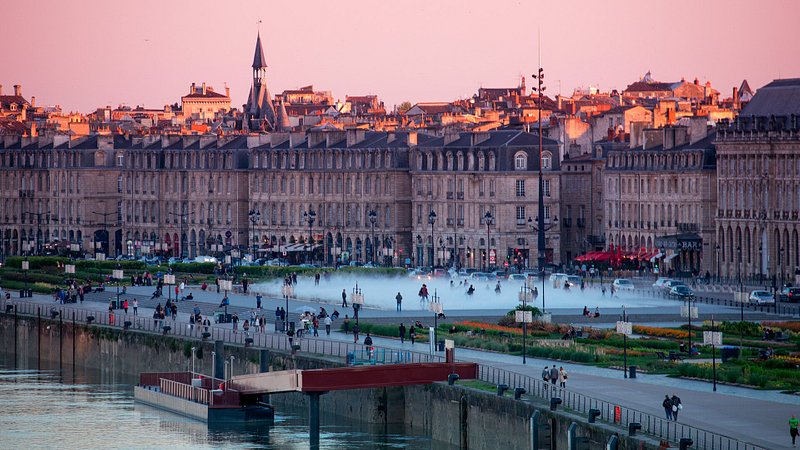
(540, 229)
(432, 220)
(373, 217)
(436, 308)
(539, 77)
(25, 267)
(718, 264)
(117, 275)
(309, 217)
(525, 316)
(488, 218)
(357, 299)
(254, 216)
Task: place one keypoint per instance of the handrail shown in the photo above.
(186, 391)
(651, 424)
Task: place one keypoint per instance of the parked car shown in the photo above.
(623, 284)
(500, 274)
(480, 276)
(759, 297)
(558, 280)
(790, 294)
(464, 273)
(660, 282)
(681, 291)
(173, 260)
(517, 277)
(439, 273)
(205, 259)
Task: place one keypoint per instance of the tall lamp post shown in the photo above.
(309, 217)
(488, 218)
(373, 217)
(525, 316)
(741, 298)
(432, 220)
(539, 77)
(118, 275)
(255, 216)
(435, 307)
(25, 267)
(540, 229)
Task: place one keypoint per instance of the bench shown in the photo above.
(662, 355)
(673, 356)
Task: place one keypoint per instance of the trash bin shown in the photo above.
(440, 346)
(728, 352)
(278, 325)
(631, 371)
(351, 358)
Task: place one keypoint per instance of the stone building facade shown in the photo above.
(660, 197)
(581, 205)
(759, 186)
(371, 193)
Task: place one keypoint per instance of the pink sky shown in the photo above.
(91, 53)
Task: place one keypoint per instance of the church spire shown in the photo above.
(259, 61)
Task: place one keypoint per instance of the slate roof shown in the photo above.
(259, 61)
(208, 94)
(778, 98)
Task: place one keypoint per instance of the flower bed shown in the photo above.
(792, 326)
(660, 332)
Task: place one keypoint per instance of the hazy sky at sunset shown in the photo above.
(88, 53)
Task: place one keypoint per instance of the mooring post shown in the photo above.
(313, 418)
(219, 360)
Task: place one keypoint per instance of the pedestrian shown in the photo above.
(412, 334)
(667, 404)
(399, 299)
(553, 375)
(368, 340)
(545, 374)
(244, 283)
(290, 335)
(235, 320)
(562, 377)
(355, 334)
(346, 324)
(216, 281)
(135, 307)
(327, 321)
(676, 406)
(125, 306)
(793, 422)
(344, 298)
(174, 312)
(258, 301)
(402, 331)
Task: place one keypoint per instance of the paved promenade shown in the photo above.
(757, 417)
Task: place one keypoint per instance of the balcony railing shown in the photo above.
(688, 227)
(567, 222)
(449, 195)
(581, 222)
(460, 195)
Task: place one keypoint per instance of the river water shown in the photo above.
(44, 408)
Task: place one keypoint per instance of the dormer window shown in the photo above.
(520, 161)
(120, 160)
(547, 161)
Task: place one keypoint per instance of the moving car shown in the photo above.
(660, 282)
(681, 291)
(517, 277)
(759, 297)
(574, 280)
(623, 284)
(558, 280)
(790, 294)
(669, 284)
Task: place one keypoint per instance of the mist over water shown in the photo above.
(380, 291)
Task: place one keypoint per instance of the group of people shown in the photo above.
(553, 375)
(672, 406)
(590, 314)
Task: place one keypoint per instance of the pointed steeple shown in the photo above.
(283, 119)
(259, 61)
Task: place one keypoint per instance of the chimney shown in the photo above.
(450, 137)
(191, 89)
(204, 88)
(355, 136)
(227, 92)
(18, 89)
(610, 134)
(1, 89)
(411, 138)
(33, 102)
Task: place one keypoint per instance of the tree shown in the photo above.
(403, 107)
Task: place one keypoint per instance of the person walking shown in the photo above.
(793, 422)
(676, 406)
(667, 404)
(125, 306)
(562, 377)
(327, 321)
(355, 334)
(244, 283)
(553, 375)
(258, 301)
(412, 333)
(135, 307)
(402, 331)
(346, 324)
(399, 299)
(546, 374)
(344, 298)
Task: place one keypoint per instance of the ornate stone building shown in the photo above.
(758, 159)
(660, 197)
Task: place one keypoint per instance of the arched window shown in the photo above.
(547, 160)
(520, 161)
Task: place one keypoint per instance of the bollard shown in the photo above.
(248, 342)
(501, 389)
(554, 402)
(166, 329)
(593, 415)
(518, 392)
(127, 325)
(632, 427)
(53, 313)
(685, 443)
(613, 443)
(206, 335)
(89, 319)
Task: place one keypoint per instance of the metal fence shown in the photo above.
(580, 403)
(186, 391)
(778, 308)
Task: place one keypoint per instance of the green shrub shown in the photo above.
(35, 262)
(206, 268)
(736, 328)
